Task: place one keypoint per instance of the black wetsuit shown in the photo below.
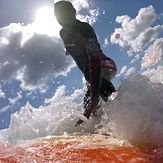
(81, 43)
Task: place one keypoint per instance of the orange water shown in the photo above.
(72, 150)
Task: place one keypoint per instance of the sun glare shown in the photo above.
(4, 41)
(46, 22)
(44, 14)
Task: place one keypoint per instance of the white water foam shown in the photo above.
(136, 115)
(137, 112)
(57, 118)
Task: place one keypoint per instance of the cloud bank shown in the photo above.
(136, 33)
(39, 57)
(141, 37)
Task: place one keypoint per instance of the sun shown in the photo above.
(44, 14)
(46, 22)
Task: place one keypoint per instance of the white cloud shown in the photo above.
(4, 109)
(2, 94)
(91, 17)
(142, 40)
(106, 42)
(153, 54)
(130, 71)
(125, 71)
(39, 57)
(13, 101)
(80, 4)
(146, 37)
(137, 57)
(59, 95)
(137, 33)
(136, 28)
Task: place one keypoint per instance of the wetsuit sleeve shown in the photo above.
(94, 54)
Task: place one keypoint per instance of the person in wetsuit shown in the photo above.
(81, 43)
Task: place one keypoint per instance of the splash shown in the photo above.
(135, 115)
(137, 112)
(58, 117)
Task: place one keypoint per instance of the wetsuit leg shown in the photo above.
(106, 89)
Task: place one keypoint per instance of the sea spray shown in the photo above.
(136, 114)
(57, 117)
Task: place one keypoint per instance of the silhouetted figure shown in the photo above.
(81, 43)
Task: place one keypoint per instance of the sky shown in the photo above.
(33, 64)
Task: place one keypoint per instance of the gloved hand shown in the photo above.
(88, 111)
(87, 114)
(79, 122)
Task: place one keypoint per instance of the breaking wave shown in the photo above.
(135, 115)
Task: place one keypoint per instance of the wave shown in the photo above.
(135, 115)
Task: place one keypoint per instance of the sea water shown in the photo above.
(135, 115)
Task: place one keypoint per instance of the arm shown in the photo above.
(94, 55)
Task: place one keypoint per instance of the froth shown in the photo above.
(136, 114)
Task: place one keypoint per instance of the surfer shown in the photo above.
(81, 43)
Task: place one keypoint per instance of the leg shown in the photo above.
(106, 89)
(86, 101)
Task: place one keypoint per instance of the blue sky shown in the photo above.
(32, 60)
